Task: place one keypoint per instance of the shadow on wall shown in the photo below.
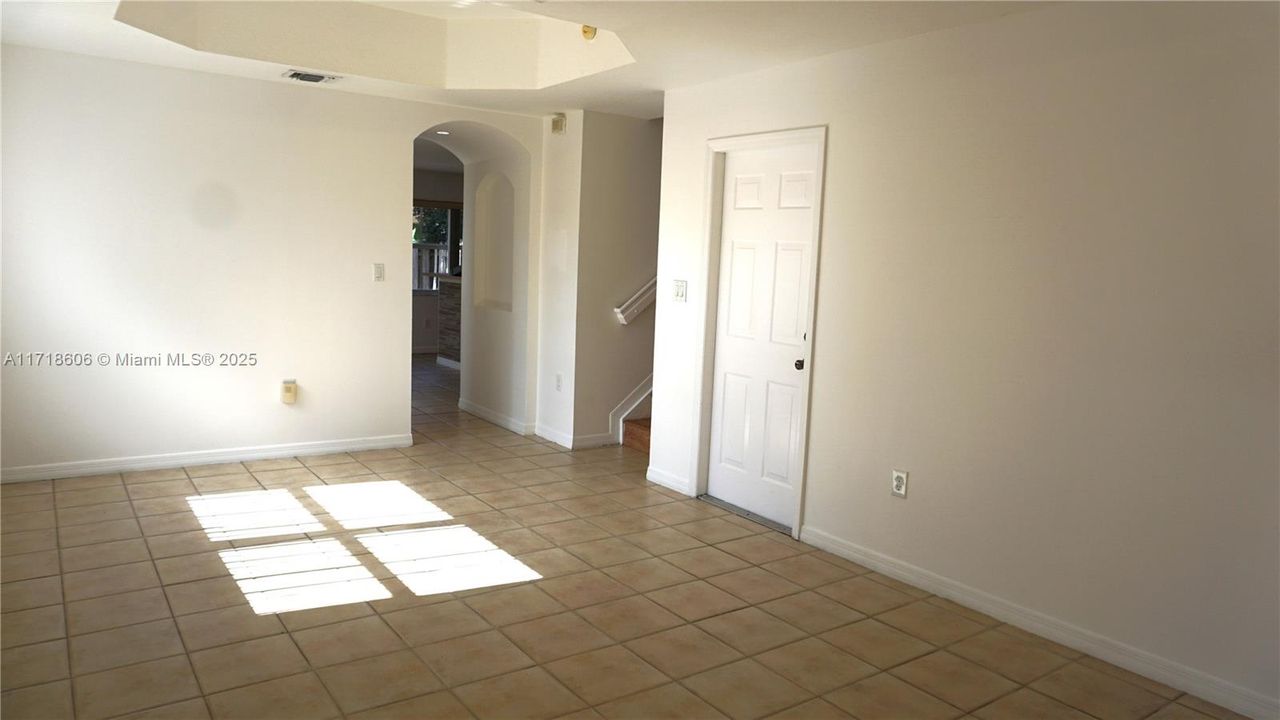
(497, 345)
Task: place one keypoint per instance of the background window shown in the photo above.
(433, 229)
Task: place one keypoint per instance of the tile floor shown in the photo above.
(123, 599)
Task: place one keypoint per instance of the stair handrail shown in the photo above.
(637, 303)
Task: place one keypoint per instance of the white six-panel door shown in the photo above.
(768, 237)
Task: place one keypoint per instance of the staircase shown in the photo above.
(635, 434)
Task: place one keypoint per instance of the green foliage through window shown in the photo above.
(430, 226)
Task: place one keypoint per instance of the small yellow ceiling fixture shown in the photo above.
(588, 32)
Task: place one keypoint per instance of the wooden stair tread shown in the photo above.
(635, 434)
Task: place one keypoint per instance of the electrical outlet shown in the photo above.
(898, 485)
(559, 382)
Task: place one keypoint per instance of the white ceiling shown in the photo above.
(676, 44)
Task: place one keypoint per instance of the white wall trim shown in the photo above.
(198, 457)
(593, 440)
(670, 481)
(495, 417)
(448, 363)
(1174, 674)
(629, 403)
(559, 437)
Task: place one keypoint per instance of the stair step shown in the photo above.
(635, 434)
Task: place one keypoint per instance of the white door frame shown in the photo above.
(717, 148)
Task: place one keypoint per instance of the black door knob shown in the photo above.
(800, 364)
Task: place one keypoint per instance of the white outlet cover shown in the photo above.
(898, 483)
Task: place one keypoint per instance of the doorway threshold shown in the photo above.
(740, 512)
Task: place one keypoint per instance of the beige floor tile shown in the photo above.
(519, 542)
(1038, 641)
(1132, 678)
(300, 697)
(815, 665)
(345, 641)
(154, 476)
(303, 619)
(751, 630)
(238, 482)
(1024, 704)
(104, 554)
(695, 600)
(431, 623)
(884, 697)
(606, 552)
(957, 608)
(95, 652)
(94, 513)
(626, 522)
(705, 561)
(553, 562)
(19, 522)
(473, 657)
(958, 681)
(815, 709)
(188, 568)
(201, 595)
(33, 593)
(569, 532)
(215, 469)
(33, 487)
(161, 505)
(183, 543)
(759, 549)
(18, 543)
(95, 496)
(865, 596)
(630, 617)
(51, 701)
(1010, 656)
(590, 506)
(646, 575)
(530, 694)
(1176, 711)
(112, 611)
(28, 565)
(509, 498)
(24, 627)
(161, 489)
(606, 674)
(877, 643)
(812, 612)
(668, 702)
(367, 683)
(26, 504)
(551, 638)
(1098, 694)
(168, 524)
(755, 585)
(717, 530)
(110, 580)
(1208, 708)
(226, 625)
(930, 623)
(582, 589)
(244, 663)
(746, 689)
(512, 605)
(541, 514)
(806, 570)
(436, 706)
(194, 709)
(683, 651)
(134, 687)
(663, 540)
(255, 466)
(33, 664)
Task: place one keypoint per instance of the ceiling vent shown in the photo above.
(310, 77)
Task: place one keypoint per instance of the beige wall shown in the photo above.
(1048, 289)
(161, 210)
(617, 254)
(436, 185)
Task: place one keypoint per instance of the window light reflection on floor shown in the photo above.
(445, 559)
(252, 514)
(301, 575)
(374, 504)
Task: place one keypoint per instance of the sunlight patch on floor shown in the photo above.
(252, 514)
(445, 559)
(373, 504)
(301, 575)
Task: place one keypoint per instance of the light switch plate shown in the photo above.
(379, 272)
(681, 290)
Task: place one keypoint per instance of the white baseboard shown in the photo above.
(495, 417)
(559, 437)
(79, 468)
(1177, 675)
(582, 442)
(667, 480)
(629, 403)
(448, 363)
